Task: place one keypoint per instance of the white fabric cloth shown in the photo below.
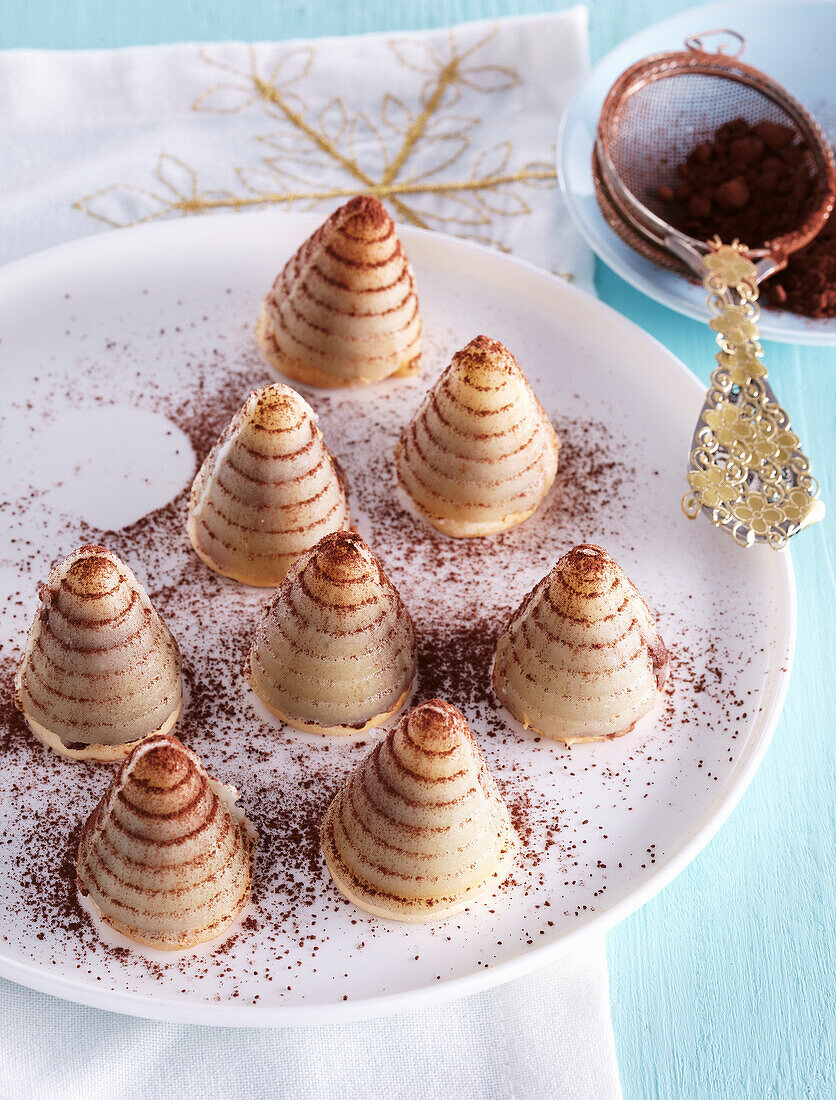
(543, 1037)
(455, 130)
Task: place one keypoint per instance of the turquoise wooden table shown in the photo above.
(723, 985)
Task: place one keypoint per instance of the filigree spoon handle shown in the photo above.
(747, 470)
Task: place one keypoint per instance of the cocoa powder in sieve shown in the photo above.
(752, 183)
(747, 182)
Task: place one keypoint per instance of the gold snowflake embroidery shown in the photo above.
(416, 148)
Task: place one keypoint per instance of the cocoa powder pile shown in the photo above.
(748, 182)
(753, 184)
(808, 283)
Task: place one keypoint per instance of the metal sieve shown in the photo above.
(746, 472)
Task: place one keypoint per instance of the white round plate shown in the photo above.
(788, 39)
(123, 353)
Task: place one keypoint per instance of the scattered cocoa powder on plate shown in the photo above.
(460, 593)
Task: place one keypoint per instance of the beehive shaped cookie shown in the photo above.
(480, 453)
(581, 659)
(267, 491)
(344, 311)
(420, 829)
(334, 649)
(101, 670)
(166, 857)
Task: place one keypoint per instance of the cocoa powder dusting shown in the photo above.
(299, 937)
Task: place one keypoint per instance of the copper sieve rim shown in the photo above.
(639, 226)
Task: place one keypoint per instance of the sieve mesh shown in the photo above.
(660, 109)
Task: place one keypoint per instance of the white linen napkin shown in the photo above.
(547, 1036)
(454, 130)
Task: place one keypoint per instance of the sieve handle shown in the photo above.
(766, 264)
(695, 42)
(747, 469)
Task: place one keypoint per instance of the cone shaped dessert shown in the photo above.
(344, 311)
(101, 670)
(480, 453)
(581, 659)
(334, 650)
(267, 491)
(420, 829)
(166, 856)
